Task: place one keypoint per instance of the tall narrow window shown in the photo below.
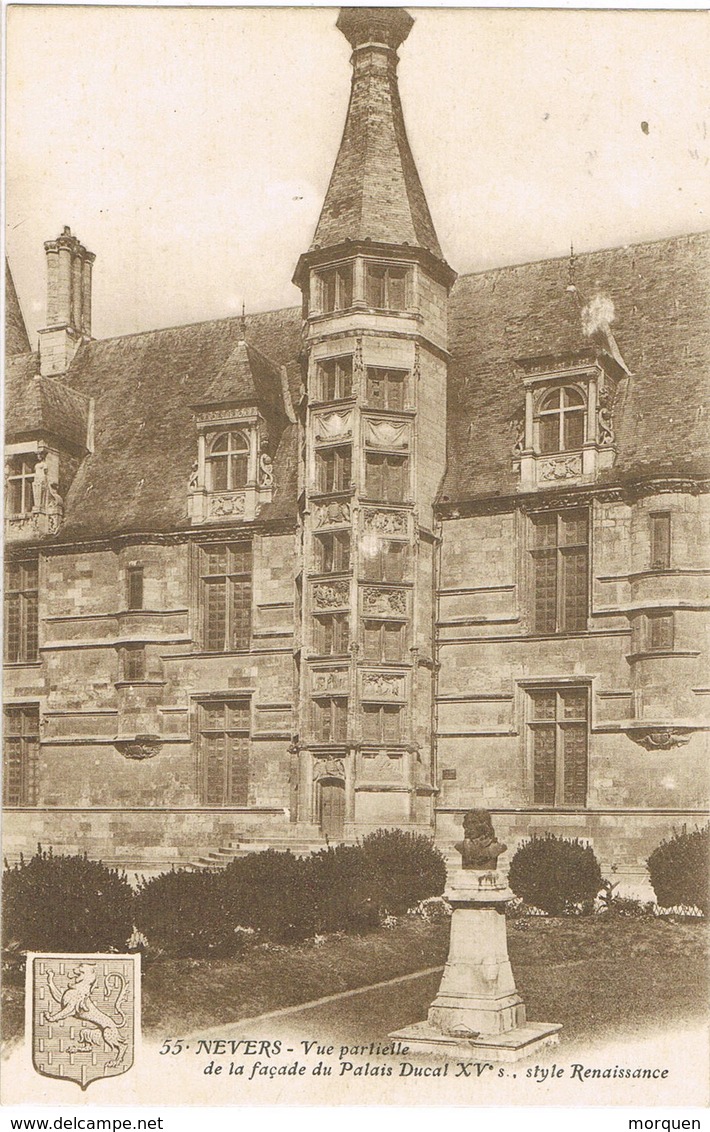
(387, 562)
(386, 477)
(332, 634)
(21, 756)
(559, 727)
(226, 589)
(133, 663)
(21, 610)
(335, 379)
(334, 469)
(224, 752)
(333, 552)
(330, 718)
(560, 559)
(336, 288)
(381, 723)
(20, 476)
(386, 388)
(228, 462)
(659, 632)
(561, 421)
(386, 287)
(383, 640)
(660, 540)
(134, 580)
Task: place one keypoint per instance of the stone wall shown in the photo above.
(648, 708)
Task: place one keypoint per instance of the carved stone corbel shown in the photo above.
(139, 748)
(660, 738)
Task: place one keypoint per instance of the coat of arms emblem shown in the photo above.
(85, 1011)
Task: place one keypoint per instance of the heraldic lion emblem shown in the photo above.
(83, 1015)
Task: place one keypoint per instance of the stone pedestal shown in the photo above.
(477, 1011)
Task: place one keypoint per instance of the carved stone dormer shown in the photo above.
(48, 433)
(239, 422)
(564, 432)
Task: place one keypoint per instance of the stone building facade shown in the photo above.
(420, 545)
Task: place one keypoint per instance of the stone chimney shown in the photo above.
(69, 267)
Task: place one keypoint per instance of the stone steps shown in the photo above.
(218, 859)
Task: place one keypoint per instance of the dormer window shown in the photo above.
(560, 419)
(386, 287)
(565, 430)
(336, 286)
(228, 462)
(20, 477)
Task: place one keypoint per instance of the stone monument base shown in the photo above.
(524, 1041)
(478, 1012)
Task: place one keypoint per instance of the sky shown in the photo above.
(190, 149)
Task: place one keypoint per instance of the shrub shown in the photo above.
(405, 868)
(679, 871)
(65, 904)
(342, 890)
(554, 873)
(185, 914)
(272, 893)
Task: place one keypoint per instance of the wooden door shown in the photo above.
(331, 807)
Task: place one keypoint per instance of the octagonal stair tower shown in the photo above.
(375, 288)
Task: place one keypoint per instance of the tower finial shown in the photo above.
(570, 270)
(389, 26)
(243, 323)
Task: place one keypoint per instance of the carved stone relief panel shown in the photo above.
(385, 522)
(332, 514)
(333, 595)
(384, 602)
(334, 680)
(380, 685)
(382, 767)
(328, 768)
(387, 434)
(560, 468)
(233, 414)
(333, 426)
(227, 504)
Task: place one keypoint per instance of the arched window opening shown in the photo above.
(228, 462)
(561, 421)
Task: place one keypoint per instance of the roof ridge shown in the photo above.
(582, 255)
(189, 325)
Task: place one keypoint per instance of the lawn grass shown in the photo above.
(597, 975)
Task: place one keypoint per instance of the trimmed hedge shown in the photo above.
(185, 914)
(555, 873)
(680, 870)
(271, 893)
(406, 868)
(65, 904)
(70, 903)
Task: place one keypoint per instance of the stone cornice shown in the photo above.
(155, 538)
(628, 492)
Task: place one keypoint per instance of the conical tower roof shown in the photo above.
(16, 339)
(375, 192)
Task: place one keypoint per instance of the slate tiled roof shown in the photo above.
(247, 376)
(16, 340)
(374, 191)
(146, 386)
(661, 297)
(43, 405)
